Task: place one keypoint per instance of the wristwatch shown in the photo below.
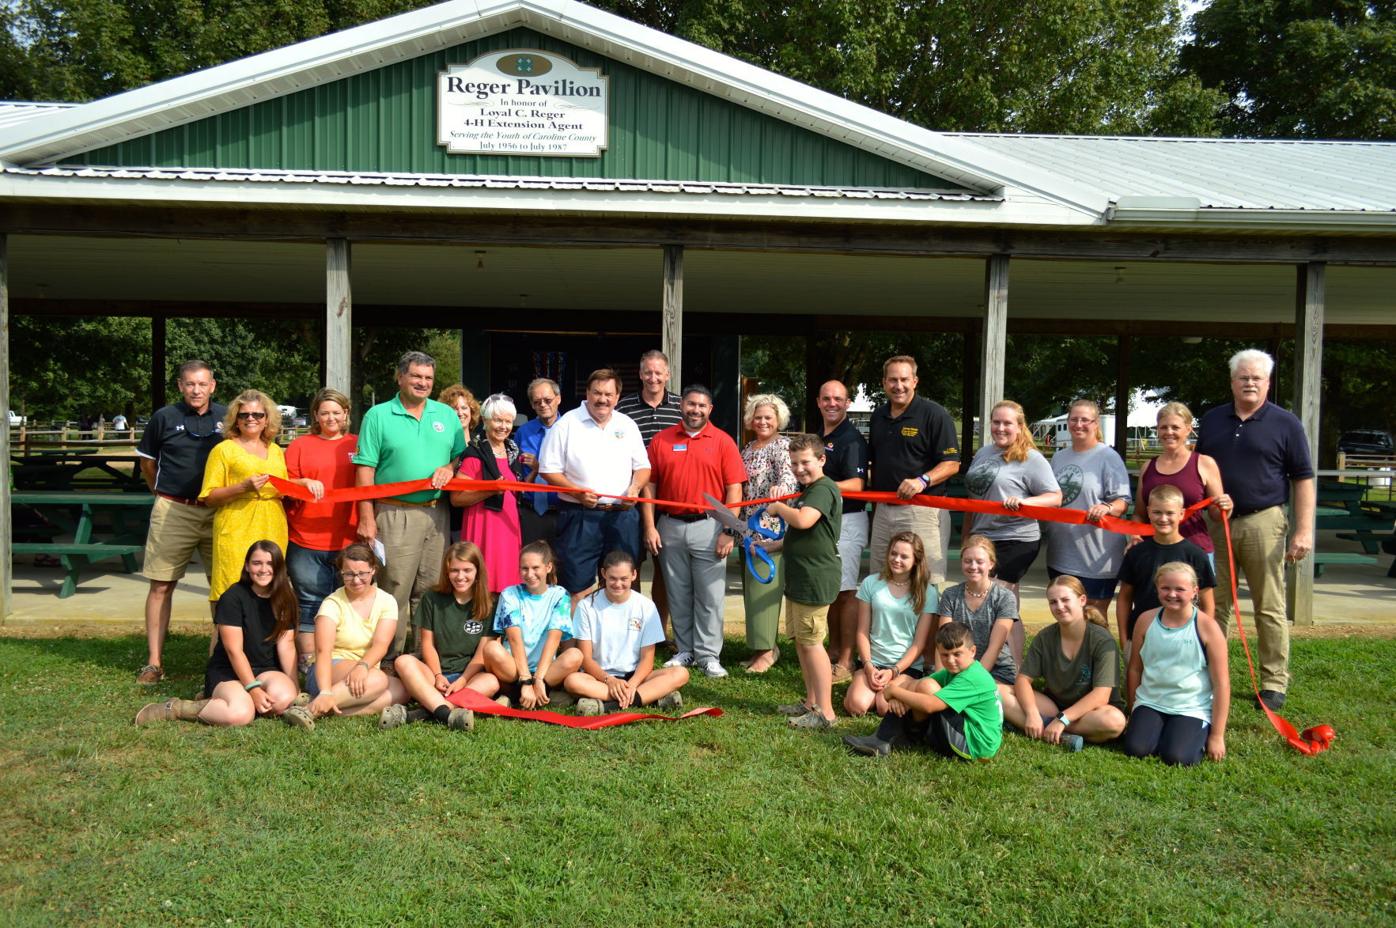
(1063, 719)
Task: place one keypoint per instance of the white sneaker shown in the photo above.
(712, 668)
(681, 659)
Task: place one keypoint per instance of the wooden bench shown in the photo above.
(1369, 540)
(75, 556)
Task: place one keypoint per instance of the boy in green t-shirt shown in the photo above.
(955, 712)
(812, 574)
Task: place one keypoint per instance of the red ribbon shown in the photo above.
(1313, 740)
(482, 705)
(978, 506)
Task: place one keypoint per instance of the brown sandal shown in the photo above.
(149, 675)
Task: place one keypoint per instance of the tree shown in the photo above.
(1299, 68)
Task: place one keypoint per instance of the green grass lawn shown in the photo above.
(730, 821)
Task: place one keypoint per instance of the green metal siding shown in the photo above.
(385, 121)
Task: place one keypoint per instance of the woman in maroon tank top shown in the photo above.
(1196, 475)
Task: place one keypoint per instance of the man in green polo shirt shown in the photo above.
(410, 437)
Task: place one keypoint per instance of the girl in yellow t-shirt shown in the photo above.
(353, 631)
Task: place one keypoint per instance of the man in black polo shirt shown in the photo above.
(1262, 453)
(845, 463)
(914, 452)
(173, 451)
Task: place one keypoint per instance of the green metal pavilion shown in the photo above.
(535, 170)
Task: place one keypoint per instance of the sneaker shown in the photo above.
(793, 709)
(391, 717)
(417, 714)
(1072, 743)
(680, 659)
(1273, 700)
(588, 706)
(150, 674)
(299, 717)
(867, 745)
(841, 674)
(460, 720)
(813, 720)
(712, 668)
(672, 700)
(156, 712)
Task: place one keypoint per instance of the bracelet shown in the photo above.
(363, 664)
(253, 685)
(527, 682)
(924, 482)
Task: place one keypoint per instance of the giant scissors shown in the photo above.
(751, 534)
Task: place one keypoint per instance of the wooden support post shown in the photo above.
(159, 364)
(7, 573)
(339, 316)
(994, 350)
(969, 381)
(671, 323)
(1122, 391)
(1308, 384)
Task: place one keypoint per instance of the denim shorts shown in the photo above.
(314, 575)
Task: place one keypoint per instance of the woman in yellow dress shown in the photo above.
(236, 486)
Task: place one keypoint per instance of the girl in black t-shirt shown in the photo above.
(252, 669)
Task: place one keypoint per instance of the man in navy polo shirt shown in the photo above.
(845, 463)
(173, 450)
(1262, 453)
(538, 511)
(914, 452)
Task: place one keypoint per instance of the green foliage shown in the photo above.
(729, 821)
(1299, 68)
(65, 368)
(1075, 66)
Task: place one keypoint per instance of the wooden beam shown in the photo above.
(994, 348)
(671, 310)
(339, 316)
(1309, 298)
(1122, 391)
(159, 362)
(969, 384)
(388, 226)
(7, 572)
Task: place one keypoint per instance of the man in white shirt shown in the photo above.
(598, 453)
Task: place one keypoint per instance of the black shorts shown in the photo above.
(216, 675)
(945, 734)
(911, 672)
(1014, 559)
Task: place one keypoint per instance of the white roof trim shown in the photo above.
(523, 195)
(409, 35)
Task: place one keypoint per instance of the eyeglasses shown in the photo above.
(1250, 378)
(255, 416)
(356, 574)
(1080, 421)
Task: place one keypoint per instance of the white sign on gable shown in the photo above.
(522, 102)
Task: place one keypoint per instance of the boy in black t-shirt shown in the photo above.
(1137, 591)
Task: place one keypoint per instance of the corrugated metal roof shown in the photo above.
(495, 183)
(1216, 173)
(12, 113)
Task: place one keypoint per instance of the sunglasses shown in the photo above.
(255, 416)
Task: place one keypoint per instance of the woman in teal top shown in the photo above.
(1178, 680)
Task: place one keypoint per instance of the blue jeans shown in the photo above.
(315, 575)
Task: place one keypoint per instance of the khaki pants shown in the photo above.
(1259, 543)
(414, 541)
(889, 519)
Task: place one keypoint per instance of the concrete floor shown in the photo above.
(1360, 600)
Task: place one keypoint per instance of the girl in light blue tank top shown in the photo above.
(1178, 678)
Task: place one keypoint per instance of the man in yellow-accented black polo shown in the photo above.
(914, 451)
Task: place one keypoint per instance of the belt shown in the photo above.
(687, 516)
(611, 507)
(1238, 514)
(390, 501)
(182, 500)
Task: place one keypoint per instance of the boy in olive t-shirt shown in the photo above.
(955, 712)
(812, 576)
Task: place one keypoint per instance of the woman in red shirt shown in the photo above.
(318, 530)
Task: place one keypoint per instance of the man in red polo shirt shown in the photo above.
(686, 461)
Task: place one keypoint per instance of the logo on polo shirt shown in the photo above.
(438, 426)
(618, 433)
(910, 431)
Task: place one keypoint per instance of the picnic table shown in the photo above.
(77, 470)
(119, 532)
(1343, 508)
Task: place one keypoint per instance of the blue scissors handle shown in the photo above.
(749, 543)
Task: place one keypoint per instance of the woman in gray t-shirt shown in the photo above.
(987, 608)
